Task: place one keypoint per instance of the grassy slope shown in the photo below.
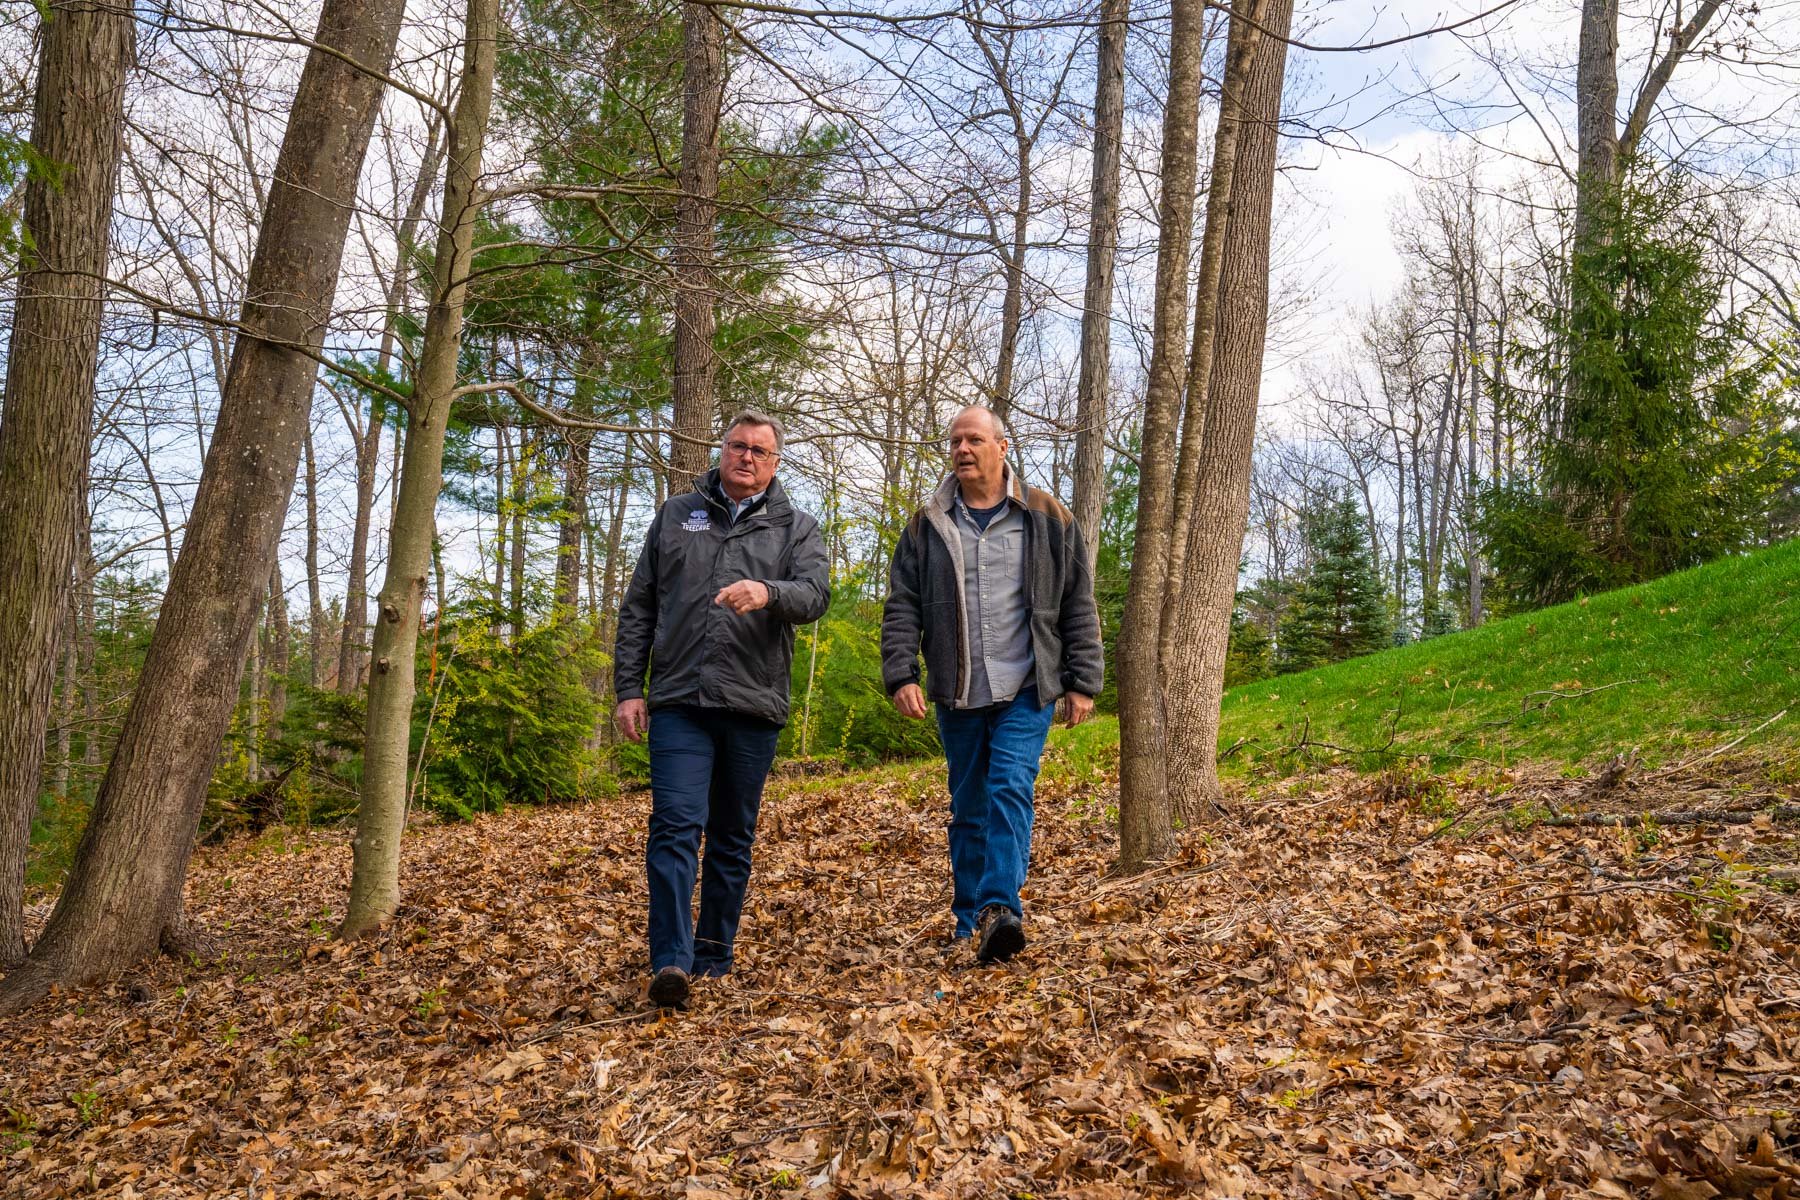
(1697, 658)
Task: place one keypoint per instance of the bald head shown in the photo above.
(978, 455)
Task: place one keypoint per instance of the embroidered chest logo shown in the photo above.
(697, 522)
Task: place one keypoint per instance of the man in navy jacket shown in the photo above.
(727, 571)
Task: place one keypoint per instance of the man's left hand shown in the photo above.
(1078, 707)
(746, 595)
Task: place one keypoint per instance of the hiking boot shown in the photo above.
(1001, 934)
(670, 989)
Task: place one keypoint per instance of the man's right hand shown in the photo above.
(910, 700)
(632, 718)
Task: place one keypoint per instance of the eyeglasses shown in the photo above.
(759, 454)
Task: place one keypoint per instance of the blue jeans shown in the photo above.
(993, 754)
(707, 768)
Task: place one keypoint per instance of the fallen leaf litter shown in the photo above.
(1318, 999)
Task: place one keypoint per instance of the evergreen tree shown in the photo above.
(1338, 611)
(1663, 421)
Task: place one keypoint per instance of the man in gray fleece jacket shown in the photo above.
(990, 581)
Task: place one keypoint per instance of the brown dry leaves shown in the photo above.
(1313, 1002)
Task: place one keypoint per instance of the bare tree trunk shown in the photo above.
(315, 602)
(356, 588)
(611, 582)
(521, 492)
(381, 815)
(1596, 114)
(1012, 303)
(696, 208)
(574, 523)
(276, 654)
(502, 503)
(85, 51)
(1242, 44)
(1222, 501)
(65, 711)
(253, 714)
(1092, 397)
(86, 651)
(126, 882)
(1146, 820)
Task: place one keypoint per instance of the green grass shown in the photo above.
(1692, 659)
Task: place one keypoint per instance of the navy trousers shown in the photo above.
(707, 769)
(993, 755)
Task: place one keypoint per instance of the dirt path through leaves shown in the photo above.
(1319, 999)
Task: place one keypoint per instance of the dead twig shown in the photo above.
(1526, 706)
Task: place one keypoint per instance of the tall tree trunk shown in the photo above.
(315, 601)
(1012, 303)
(86, 651)
(276, 653)
(126, 883)
(696, 208)
(521, 492)
(381, 815)
(1242, 44)
(85, 51)
(1146, 821)
(65, 711)
(611, 582)
(502, 504)
(574, 522)
(1222, 500)
(253, 713)
(1596, 114)
(1091, 394)
(356, 587)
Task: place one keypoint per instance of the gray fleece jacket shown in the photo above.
(927, 610)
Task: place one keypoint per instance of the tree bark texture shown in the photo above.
(356, 587)
(85, 52)
(1215, 535)
(696, 210)
(1242, 43)
(1091, 394)
(315, 603)
(1146, 821)
(126, 882)
(381, 815)
(1596, 113)
(579, 448)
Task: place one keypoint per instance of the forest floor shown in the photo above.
(1350, 986)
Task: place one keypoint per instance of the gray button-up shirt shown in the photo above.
(1000, 658)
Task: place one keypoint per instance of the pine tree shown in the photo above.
(1338, 612)
(1664, 418)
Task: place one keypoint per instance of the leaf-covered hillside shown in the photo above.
(1320, 998)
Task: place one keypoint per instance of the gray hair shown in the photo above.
(752, 416)
(992, 416)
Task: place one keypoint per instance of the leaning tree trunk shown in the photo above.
(85, 52)
(381, 816)
(696, 208)
(1096, 307)
(126, 882)
(1215, 536)
(1146, 821)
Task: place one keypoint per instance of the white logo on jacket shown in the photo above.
(697, 521)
